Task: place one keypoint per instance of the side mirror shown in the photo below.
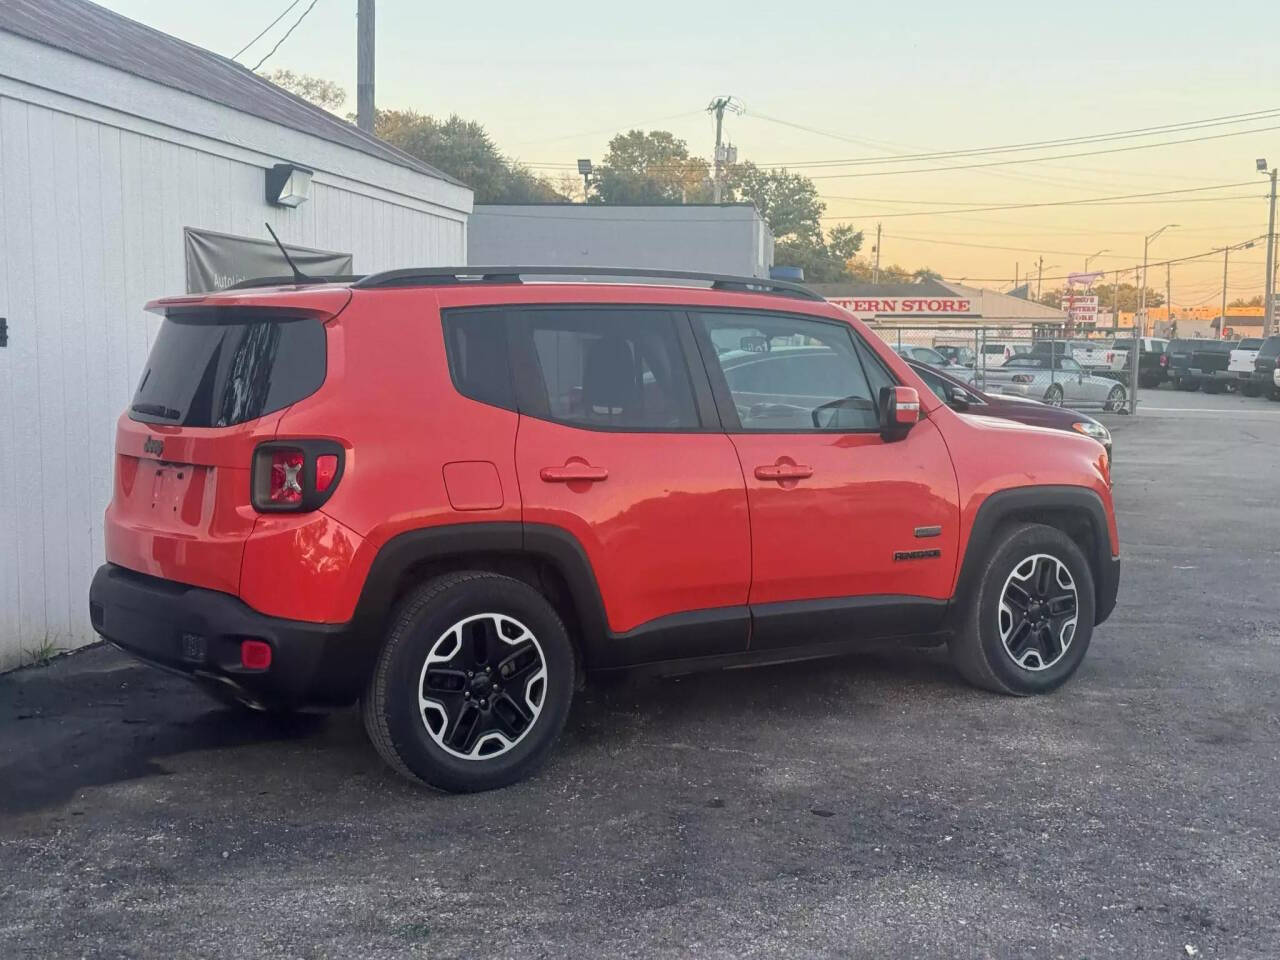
(899, 412)
(956, 399)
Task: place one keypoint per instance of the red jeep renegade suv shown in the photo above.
(449, 493)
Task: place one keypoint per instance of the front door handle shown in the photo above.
(573, 471)
(784, 471)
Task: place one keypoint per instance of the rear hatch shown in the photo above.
(1268, 358)
(221, 373)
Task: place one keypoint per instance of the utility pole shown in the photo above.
(1268, 306)
(875, 271)
(1168, 292)
(1142, 312)
(1039, 277)
(718, 106)
(364, 65)
(1222, 317)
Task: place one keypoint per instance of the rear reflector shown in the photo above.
(326, 470)
(286, 476)
(255, 654)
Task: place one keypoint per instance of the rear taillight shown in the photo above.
(295, 475)
(1164, 360)
(1022, 378)
(284, 484)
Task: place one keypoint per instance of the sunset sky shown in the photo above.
(552, 82)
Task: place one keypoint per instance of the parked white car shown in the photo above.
(1240, 365)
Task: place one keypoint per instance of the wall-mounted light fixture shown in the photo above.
(288, 185)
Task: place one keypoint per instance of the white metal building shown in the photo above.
(725, 238)
(115, 139)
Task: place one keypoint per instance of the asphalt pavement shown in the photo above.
(872, 806)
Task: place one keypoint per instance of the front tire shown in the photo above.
(1053, 396)
(1028, 626)
(473, 684)
(1115, 399)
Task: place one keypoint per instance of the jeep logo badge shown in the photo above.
(154, 445)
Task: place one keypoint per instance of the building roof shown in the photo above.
(95, 33)
(926, 288)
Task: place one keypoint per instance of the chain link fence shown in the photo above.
(1036, 362)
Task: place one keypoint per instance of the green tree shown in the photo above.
(788, 201)
(653, 167)
(1255, 301)
(921, 274)
(323, 93)
(462, 148)
(1130, 298)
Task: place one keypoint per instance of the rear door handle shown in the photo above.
(573, 471)
(784, 471)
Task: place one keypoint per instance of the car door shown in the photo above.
(850, 534)
(619, 446)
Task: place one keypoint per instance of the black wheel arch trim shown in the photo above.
(1028, 503)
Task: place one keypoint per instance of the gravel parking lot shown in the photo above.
(872, 806)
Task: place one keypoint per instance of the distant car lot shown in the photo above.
(823, 810)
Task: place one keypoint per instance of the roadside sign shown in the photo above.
(1081, 309)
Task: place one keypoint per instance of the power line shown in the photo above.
(990, 246)
(286, 35)
(964, 203)
(1128, 269)
(1023, 146)
(1060, 156)
(236, 55)
(1116, 201)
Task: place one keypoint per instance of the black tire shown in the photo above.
(1249, 388)
(1117, 396)
(1273, 394)
(977, 648)
(1053, 396)
(1212, 386)
(1187, 384)
(1149, 381)
(396, 722)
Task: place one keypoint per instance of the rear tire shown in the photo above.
(1212, 386)
(1053, 396)
(1249, 389)
(1116, 398)
(473, 684)
(1015, 637)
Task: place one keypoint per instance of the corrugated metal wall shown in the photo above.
(91, 220)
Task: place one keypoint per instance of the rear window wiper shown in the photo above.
(156, 410)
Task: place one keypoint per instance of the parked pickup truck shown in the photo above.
(1151, 369)
(1240, 365)
(1097, 355)
(1192, 362)
(1266, 369)
(1093, 355)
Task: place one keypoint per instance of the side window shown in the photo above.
(791, 373)
(603, 368)
(476, 345)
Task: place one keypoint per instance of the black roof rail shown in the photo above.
(439, 276)
(291, 282)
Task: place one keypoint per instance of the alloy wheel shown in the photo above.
(1053, 396)
(482, 686)
(1115, 399)
(1039, 606)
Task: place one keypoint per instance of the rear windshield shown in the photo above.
(1270, 347)
(1249, 343)
(219, 369)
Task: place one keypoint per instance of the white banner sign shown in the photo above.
(1082, 308)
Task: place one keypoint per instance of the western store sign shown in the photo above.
(881, 307)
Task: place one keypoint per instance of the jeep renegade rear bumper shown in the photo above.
(198, 632)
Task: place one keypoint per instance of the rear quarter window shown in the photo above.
(222, 367)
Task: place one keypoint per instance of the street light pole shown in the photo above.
(1094, 256)
(1268, 307)
(1142, 310)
